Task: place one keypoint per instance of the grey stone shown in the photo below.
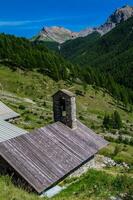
(64, 108)
(114, 198)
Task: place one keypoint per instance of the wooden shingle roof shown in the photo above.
(47, 155)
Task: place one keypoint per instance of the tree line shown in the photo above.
(112, 121)
(21, 53)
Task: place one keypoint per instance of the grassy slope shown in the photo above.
(93, 105)
(125, 152)
(91, 108)
(93, 185)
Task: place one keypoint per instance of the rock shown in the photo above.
(114, 198)
(56, 34)
(125, 165)
(109, 162)
(99, 162)
(120, 15)
(113, 20)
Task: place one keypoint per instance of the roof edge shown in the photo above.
(68, 93)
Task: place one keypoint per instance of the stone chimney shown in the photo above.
(64, 108)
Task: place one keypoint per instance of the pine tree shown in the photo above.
(113, 121)
(106, 121)
(117, 122)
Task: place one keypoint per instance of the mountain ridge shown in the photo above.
(56, 34)
(61, 34)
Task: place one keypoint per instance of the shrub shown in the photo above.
(117, 150)
(79, 93)
(27, 118)
(22, 107)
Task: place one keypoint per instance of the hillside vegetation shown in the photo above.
(39, 89)
(21, 53)
(73, 48)
(92, 186)
(111, 54)
(29, 93)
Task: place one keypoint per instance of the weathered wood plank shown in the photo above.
(77, 137)
(52, 152)
(38, 159)
(79, 152)
(30, 174)
(48, 154)
(95, 138)
(54, 138)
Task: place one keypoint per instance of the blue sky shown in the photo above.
(27, 17)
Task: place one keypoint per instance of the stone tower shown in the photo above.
(64, 108)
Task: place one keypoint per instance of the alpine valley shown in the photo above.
(104, 52)
(96, 64)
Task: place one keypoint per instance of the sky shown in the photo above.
(27, 17)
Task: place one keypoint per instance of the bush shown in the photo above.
(27, 118)
(22, 107)
(44, 104)
(117, 123)
(81, 117)
(106, 121)
(117, 150)
(79, 93)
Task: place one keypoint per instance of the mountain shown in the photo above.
(61, 35)
(120, 15)
(112, 53)
(73, 48)
(55, 34)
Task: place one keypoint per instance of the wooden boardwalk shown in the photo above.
(47, 155)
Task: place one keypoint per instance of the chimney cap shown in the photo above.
(68, 93)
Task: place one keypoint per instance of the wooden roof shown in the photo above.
(8, 131)
(6, 113)
(47, 155)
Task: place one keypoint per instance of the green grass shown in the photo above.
(10, 192)
(94, 184)
(125, 152)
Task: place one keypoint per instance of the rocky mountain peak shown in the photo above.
(121, 14)
(61, 34)
(57, 34)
